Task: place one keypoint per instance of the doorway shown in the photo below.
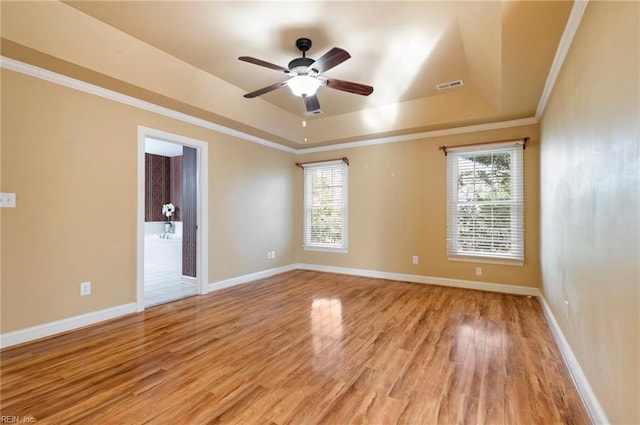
(172, 201)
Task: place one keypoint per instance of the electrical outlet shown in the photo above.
(271, 255)
(478, 271)
(416, 259)
(85, 288)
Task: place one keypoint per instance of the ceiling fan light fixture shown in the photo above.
(305, 76)
(303, 85)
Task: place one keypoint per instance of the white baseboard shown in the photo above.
(48, 329)
(589, 398)
(429, 280)
(580, 380)
(581, 383)
(227, 283)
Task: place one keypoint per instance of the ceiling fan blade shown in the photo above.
(263, 63)
(350, 87)
(267, 89)
(330, 59)
(311, 103)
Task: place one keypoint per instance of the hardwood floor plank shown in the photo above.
(302, 348)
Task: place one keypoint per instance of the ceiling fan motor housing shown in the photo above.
(300, 65)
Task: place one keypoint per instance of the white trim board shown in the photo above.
(82, 86)
(239, 280)
(566, 40)
(85, 87)
(428, 280)
(580, 381)
(71, 323)
(575, 17)
(424, 135)
(52, 328)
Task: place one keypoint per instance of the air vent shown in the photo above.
(449, 85)
(311, 113)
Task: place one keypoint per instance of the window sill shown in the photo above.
(486, 260)
(326, 249)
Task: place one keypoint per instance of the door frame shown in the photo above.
(202, 208)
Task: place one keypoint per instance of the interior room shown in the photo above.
(381, 212)
(167, 275)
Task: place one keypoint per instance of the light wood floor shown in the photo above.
(303, 348)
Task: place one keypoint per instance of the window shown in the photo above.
(325, 206)
(485, 202)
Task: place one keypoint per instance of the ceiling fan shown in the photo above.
(305, 76)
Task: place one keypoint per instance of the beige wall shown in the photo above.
(397, 209)
(590, 192)
(71, 158)
(254, 211)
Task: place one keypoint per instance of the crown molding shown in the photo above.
(37, 72)
(575, 17)
(424, 135)
(73, 83)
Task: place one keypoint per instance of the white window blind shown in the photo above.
(325, 206)
(485, 202)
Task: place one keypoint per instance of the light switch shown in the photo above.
(7, 200)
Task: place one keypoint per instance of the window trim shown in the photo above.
(472, 258)
(515, 147)
(307, 167)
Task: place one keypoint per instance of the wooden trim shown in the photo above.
(189, 210)
(493, 142)
(343, 159)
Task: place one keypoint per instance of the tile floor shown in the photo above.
(162, 285)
